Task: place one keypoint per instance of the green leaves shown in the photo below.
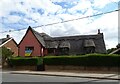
(79, 60)
(5, 53)
(84, 60)
(22, 61)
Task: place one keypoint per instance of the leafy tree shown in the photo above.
(118, 46)
(110, 50)
(5, 53)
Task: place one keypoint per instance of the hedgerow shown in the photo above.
(87, 60)
(84, 60)
(22, 61)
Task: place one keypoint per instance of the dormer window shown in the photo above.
(89, 46)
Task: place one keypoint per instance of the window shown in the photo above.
(90, 49)
(51, 51)
(89, 46)
(29, 51)
(64, 51)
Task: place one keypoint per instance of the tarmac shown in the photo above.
(109, 76)
(81, 74)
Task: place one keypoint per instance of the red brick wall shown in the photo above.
(30, 40)
(12, 45)
(45, 51)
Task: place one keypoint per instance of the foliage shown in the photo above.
(22, 61)
(110, 50)
(76, 60)
(84, 60)
(118, 46)
(6, 53)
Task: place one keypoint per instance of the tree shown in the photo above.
(5, 53)
(110, 50)
(118, 46)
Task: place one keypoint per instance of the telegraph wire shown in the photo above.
(63, 21)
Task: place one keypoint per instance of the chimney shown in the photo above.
(8, 36)
(98, 31)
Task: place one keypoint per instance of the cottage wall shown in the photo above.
(12, 46)
(30, 41)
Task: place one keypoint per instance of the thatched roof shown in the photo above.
(39, 37)
(64, 44)
(53, 44)
(56, 44)
(89, 43)
(76, 44)
(4, 40)
(45, 36)
(79, 37)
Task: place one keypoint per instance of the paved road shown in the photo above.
(7, 77)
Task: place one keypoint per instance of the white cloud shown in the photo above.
(90, 11)
(81, 6)
(47, 5)
(114, 0)
(102, 4)
(67, 16)
(13, 19)
(60, 0)
(6, 6)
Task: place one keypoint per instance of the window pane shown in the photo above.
(29, 51)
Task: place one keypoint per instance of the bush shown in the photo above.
(23, 61)
(84, 60)
(88, 60)
(5, 53)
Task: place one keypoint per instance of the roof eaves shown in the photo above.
(6, 42)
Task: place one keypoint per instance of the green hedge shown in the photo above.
(84, 60)
(81, 60)
(20, 61)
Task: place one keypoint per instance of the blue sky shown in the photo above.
(18, 14)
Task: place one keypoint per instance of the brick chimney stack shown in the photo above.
(8, 36)
(98, 31)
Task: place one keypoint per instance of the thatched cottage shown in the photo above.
(40, 44)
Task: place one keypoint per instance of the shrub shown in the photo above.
(5, 53)
(81, 60)
(22, 61)
(84, 60)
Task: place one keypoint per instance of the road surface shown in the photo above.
(7, 77)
